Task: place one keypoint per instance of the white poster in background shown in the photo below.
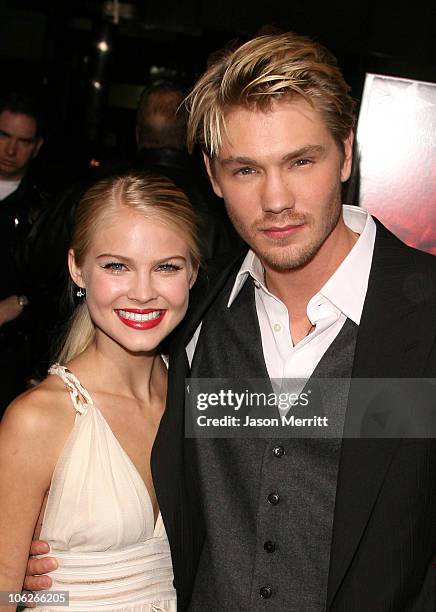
(396, 139)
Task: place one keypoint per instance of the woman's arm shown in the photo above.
(29, 446)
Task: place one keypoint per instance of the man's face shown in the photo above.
(280, 175)
(18, 144)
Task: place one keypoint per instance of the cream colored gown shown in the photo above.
(99, 522)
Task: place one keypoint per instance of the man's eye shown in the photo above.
(302, 162)
(245, 171)
(114, 266)
(168, 267)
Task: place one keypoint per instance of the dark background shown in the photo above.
(50, 49)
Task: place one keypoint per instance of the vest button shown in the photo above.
(269, 546)
(278, 451)
(273, 498)
(265, 592)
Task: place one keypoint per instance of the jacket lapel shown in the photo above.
(168, 467)
(395, 336)
(206, 289)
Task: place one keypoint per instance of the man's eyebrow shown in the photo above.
(305, 151)
(237, 160)
(302, 151)
(20, 138)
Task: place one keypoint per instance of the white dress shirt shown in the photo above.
(341, 297)
(8, 187)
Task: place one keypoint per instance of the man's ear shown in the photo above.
(208, 162)
(348, 157)
(38, 145)
(75, 271)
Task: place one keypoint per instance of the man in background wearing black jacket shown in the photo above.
(161, 141)
(20, 141)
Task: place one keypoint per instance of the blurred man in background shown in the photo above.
(161, 141)
(20, 201)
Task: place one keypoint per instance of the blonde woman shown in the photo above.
(75, 451)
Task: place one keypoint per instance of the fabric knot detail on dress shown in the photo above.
(79, 395)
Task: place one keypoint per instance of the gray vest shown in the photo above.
(268, 503)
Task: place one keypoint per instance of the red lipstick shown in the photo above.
(141, 318)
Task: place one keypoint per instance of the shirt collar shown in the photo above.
(250, 266)
(8, 187)
(346, 288)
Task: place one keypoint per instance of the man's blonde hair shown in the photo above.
(261, 71)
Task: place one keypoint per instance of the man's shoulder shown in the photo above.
(217, 271)
(226, 264)
(402, 274)
(211, 281)
(387, 241)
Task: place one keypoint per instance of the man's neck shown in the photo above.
(295, 287)
(8, 179)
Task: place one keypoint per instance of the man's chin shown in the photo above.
(9, 173)
(285, 261)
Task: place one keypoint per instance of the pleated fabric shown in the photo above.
(99, 522)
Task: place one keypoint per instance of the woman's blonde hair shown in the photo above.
(262, 70)
(157, 198)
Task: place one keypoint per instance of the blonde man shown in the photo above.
(324, 291)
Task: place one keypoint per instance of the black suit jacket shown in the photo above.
(384, 532)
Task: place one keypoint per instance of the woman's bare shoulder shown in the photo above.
(45, 409)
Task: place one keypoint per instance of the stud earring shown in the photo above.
(81, 293)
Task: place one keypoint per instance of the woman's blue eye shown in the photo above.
(168, 267)
(114, 265)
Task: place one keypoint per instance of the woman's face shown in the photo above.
(137, 275)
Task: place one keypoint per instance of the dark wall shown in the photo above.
(49, 48)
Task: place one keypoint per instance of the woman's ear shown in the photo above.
(75, 271)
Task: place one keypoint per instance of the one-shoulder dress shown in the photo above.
(99, 522)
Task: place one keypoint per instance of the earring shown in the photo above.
(81, 293)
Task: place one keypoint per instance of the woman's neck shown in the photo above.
(140, 376)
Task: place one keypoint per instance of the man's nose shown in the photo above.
(277, 193)
(142, 288)
(11, 147)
